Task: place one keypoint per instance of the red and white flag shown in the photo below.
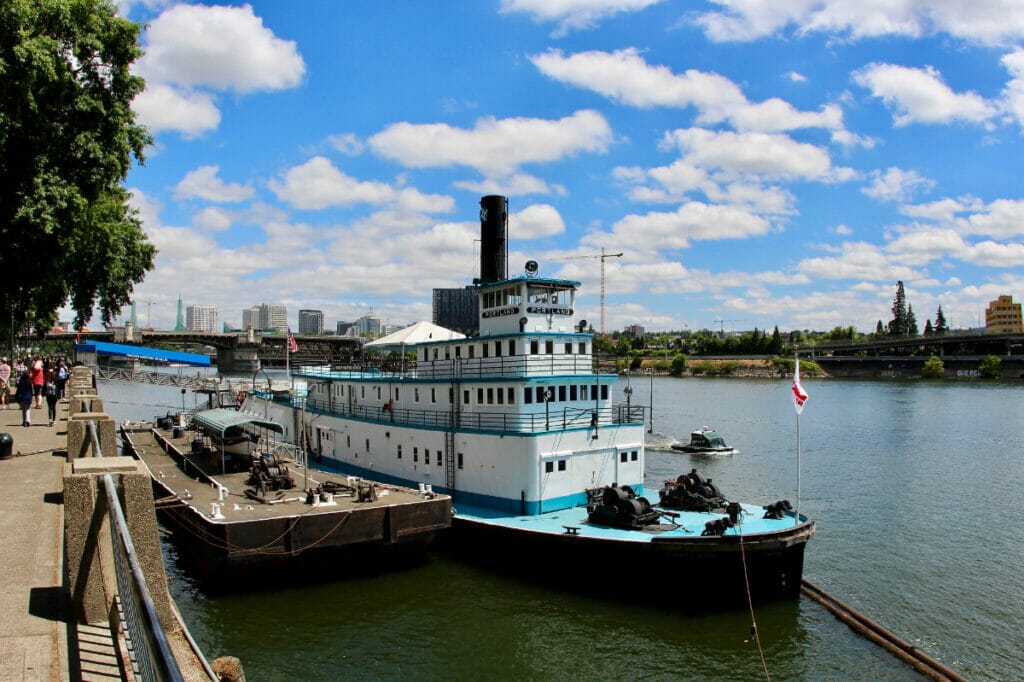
(799, 394)
(292, 346)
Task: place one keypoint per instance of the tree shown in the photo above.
(991, 367)
(933, 368)
(775, 347)
(879, 329)
(911, 329)
(940, 322)
(67, 140)
(928, 328)
(898, 324)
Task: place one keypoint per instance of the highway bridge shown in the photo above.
(234, 352)
(960, 343)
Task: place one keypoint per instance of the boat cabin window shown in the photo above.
(458, 351)
(497, 349)
(396, 394)
(415, 394)
(490, 396)
(633, 455)
(486, 350)
(528, 395)
(501, 396)
(415, 454)
(568, 349)
(604, 392)
(511, 347)
(561, 465)
(549, 467)
(439, 458)
(561, 394)
(549, 347)
(479, 396)
(472, 348)
(465, 397)
(534, 347)
(447, 353)
(572, 392)
(511, 392)
(583, 392)
(623, 456)
(424, 355)
(433, 395)
(399, 451)
(460, 460)
(583, 348)
(426, 456)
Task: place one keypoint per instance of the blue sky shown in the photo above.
(757, 164)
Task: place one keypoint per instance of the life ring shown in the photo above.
(386, 406)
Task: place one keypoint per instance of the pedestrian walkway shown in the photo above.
(33, 604)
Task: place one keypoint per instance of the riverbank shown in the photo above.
(960, 367)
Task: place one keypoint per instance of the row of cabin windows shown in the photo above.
(549, 466)
(503, 395)
(507, 347)
(560, 394)
(438, 457)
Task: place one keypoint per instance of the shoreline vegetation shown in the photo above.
(932, 368)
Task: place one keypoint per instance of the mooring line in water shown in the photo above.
(750, 603)
(864, 626)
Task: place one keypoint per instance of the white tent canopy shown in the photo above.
(421, 332)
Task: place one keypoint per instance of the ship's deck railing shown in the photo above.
(148, 648)
(555, 418)
(501, 367)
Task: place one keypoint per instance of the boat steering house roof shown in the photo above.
(221, 419)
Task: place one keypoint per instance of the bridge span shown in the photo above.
(234, 352)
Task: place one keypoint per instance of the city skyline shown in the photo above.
(754, 169)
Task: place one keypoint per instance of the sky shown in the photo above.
(757, 164)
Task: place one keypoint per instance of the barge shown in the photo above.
(229, 521)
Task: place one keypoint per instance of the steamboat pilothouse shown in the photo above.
(518, 426)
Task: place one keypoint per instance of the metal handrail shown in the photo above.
(149, 650)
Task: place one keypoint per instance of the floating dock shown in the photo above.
(228, 526)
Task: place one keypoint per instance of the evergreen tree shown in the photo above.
(911, 322)
(940, 322)
(898, 324)
(68, 138)
(928, 328)
(775, 348)
(879, 329)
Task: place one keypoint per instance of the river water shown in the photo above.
(914, 487)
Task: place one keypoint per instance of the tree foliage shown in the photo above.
(933, 368)
(898, 323)
(68, 138)
(940, 323)
(991, 367)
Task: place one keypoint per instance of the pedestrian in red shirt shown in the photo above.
(38, 380)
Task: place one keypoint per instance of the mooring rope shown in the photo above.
(750, 605)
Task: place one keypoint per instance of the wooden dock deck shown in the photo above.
(228, 524)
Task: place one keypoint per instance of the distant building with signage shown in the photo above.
(456, 309)
(201, 318)
(1003, 316)
(311, 322)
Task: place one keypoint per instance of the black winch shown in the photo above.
(690, 492)
(619, 507)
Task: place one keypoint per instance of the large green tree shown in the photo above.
(68, 137)
(898, 324)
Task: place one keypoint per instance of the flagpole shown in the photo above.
(287, 357)
(797, 469)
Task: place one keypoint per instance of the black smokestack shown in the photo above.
(493, 238)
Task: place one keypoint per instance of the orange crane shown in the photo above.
(601, 256)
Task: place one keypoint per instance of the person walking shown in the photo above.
(23, 391)
(62, 378)
(38, 379)
(50, 393)
(5, 378)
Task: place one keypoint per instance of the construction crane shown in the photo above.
(602, 256)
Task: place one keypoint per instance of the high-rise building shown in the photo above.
(273, 317)
(251, 318)
(201, 318)
(457, 309)
(345, 329)
(367, 325)
(179, 326)
(1003, 316)
(311, 322)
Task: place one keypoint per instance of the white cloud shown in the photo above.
(921, 246)
(573, 14)
(693, 220)
(348, 144)
(222, 48)
(535, 221)
(896, 184)
(212, 219)
(1013, 93)
(857, 260)
(162, 107)
(920, 95)
(1002, 218)
(517, 184)
(762, 154)
(192, 50)
(318, 184)
(203, 183)
(624, 76)
(990, 22)
(494, 147)
(796, 77)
